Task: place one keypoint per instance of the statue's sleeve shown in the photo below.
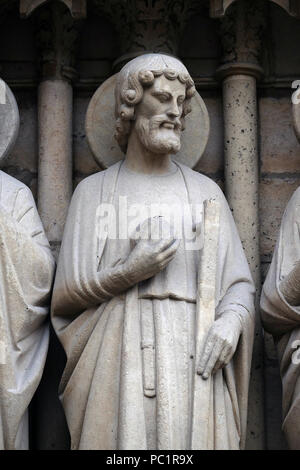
(234, 282)
(236, 294)
(278, 316)
(26, 275)
(27, 266)
(77, 284)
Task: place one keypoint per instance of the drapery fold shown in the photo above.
(102, 386)
(26, 273)
(283, 320)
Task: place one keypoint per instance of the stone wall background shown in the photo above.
(200, 51)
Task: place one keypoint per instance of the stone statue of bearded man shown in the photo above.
(124, 302)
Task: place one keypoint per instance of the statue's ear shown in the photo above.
(100, 125)
(9, 121)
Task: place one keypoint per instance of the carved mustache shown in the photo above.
(157, 121)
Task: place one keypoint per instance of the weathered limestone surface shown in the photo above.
(55, 155)
(280, 314)
(200, 50)
(26, 275)
(279, 149)
(241, 162)
(117, 299)
(211, 162)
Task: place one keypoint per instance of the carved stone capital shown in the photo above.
(218, 7)
(77, 8)
(241, 31)
(148, 25)
(239, 68)
(57, 33)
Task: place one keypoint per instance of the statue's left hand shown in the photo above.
(220, 344)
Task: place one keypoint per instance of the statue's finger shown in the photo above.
(205, 355)
(215, 354)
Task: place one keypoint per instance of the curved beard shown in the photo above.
(158, 139)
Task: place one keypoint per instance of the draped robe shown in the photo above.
(26, 275)
(102, 389)
(282, 320)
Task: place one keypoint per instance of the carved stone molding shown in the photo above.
(218, 7)
(77, 7)
(148, 25)
(241, 31)
(57, 33)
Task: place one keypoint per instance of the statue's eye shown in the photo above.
(180, 100)
(162, 97)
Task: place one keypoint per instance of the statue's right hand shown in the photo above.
(149, 257)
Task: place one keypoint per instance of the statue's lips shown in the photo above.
(168, 125)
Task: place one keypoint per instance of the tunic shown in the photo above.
(115, 394)
(26, 275)
(282, 320)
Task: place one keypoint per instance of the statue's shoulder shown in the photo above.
(12, 186)
(295, 199)
(11, 183)
(95, 182)
(90, 182)
(201, 182)
(292, 210)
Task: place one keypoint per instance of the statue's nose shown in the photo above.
(173, 111)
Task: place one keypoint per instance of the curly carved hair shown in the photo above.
(134, 77)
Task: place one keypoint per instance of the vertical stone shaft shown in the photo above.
(57, 32)
(55, 105)
(241, 180)
(241, 162)
(241, 31)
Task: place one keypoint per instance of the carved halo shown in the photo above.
(9, 120)
(100, 127)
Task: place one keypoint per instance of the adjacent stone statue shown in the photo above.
(280, 306)
(26, 275)
(126, 296)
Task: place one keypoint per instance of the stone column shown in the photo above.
(55, 105)
(244, 47)
(57, 28)
(241, 156)
(240, 35)
(57, 34)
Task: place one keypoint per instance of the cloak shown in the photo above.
(102, 386)
(26, 274)
(283, 320)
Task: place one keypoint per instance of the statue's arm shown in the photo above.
(77, 292)
(78, 284)
(26, 276)
(235, 289)
(23, 238)
(280, 299)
